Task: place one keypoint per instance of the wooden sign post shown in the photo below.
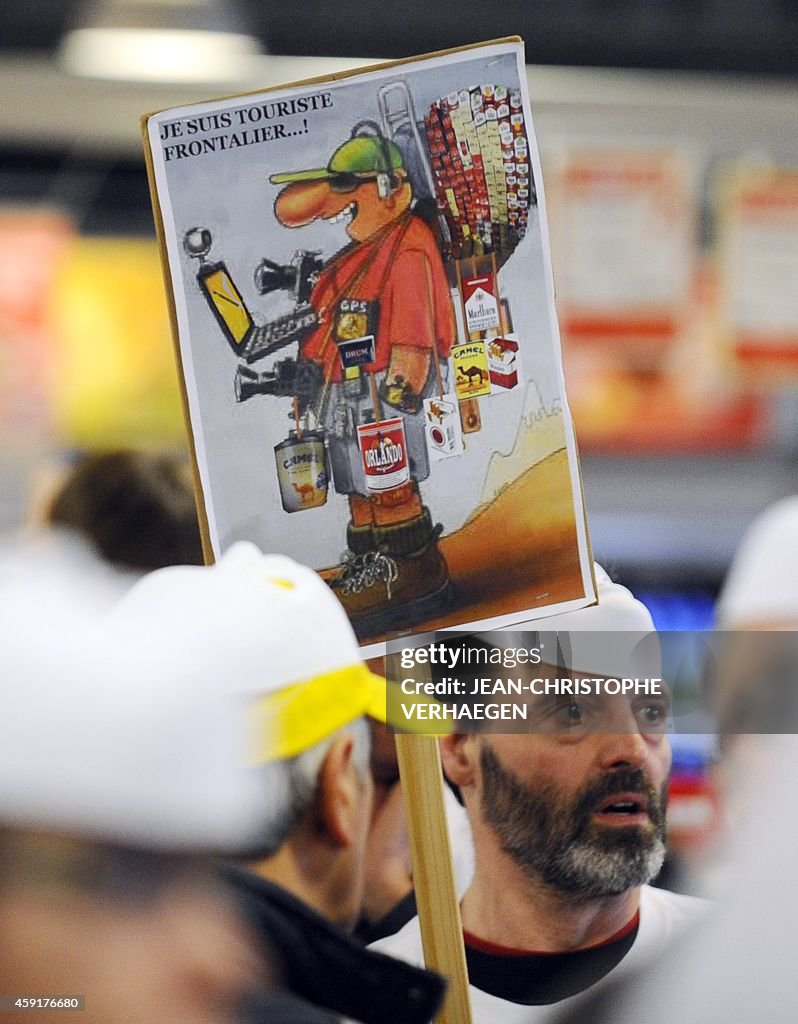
(436, 898)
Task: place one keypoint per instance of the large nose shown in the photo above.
(304, 202)
(622, 744)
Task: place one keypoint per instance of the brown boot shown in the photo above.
(400, 582)
(360, 539)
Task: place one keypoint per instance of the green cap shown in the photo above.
(365, 155)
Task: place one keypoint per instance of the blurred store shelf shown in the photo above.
(676, 521)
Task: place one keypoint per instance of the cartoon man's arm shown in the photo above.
(412, 332)
(406, 376)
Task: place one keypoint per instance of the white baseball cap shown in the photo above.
(614, 637)
(268, 631)
(100, 737)
(761, 588)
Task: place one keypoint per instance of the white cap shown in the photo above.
(621, 640)
(265, 620)
(267, 630)
(761, 588)
(617, 608)
(97, 737)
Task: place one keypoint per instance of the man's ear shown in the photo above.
(458, 757)
(340, 792)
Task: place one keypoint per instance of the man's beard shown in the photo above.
(558, 841)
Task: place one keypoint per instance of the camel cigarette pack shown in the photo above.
(471, 374)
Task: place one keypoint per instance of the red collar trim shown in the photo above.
(495, 949)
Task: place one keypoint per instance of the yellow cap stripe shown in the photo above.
(299, 716)
(289, 721)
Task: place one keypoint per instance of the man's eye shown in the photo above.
(571, 713)
(652, 714)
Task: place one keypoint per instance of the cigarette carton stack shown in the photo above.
(479, 153)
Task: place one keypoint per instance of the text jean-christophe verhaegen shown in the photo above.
(450, 689)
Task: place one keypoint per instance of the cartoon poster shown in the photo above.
(353, 402)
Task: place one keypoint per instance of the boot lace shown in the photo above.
(363, 571)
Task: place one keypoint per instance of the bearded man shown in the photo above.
(568, 825)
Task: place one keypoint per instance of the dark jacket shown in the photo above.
(323, 965)
(282, 1008)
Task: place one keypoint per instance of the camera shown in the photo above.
(298, 277)
(289, 378)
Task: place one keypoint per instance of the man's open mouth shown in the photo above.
(348, 214)
(623, 806)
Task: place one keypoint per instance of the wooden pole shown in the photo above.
(296, 417)
(375, 398)
(470, 419)
(431, 310)
(436, 896)
(500, 305)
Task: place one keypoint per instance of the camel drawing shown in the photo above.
(470, 373)
(306, 492)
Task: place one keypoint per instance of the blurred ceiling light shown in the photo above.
(158, 41)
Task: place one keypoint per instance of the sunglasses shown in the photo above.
(348, 182)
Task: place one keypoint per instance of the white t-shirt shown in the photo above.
(664, 915)
(740, 967)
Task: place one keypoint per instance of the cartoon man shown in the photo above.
(387, 289)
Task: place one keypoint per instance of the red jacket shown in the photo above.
(402, 268)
